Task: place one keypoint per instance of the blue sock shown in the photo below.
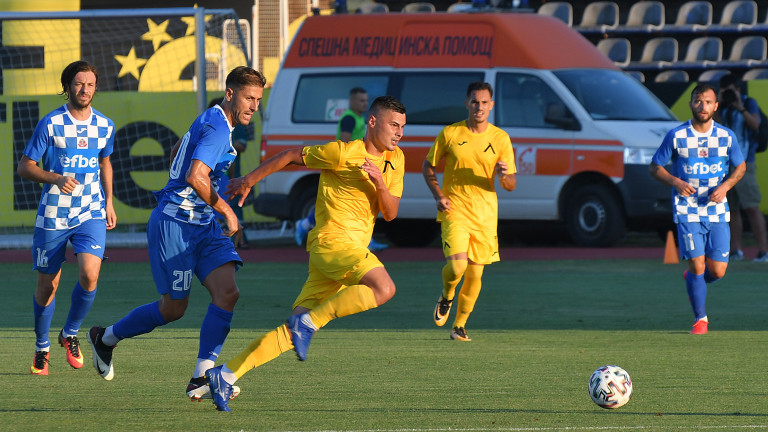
(82, 301)
(214, 332)
(139, 321)
(697, 293)
(43, 317)
(311, 218)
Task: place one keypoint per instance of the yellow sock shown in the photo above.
(261, 351)
(452, 273)
(468, 294)
(351, 300)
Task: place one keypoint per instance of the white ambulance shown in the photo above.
(583, 132)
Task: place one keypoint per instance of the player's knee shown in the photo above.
(226, 298)
(172, 314)
(716, 273)
(172, 310)
(384, 292)
(88, 282)
(455, 268)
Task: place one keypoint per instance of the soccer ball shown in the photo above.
(610, 387)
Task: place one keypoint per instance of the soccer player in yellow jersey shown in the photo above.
(475, 152)
(358, 179)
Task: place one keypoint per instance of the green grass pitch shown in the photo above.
(539, 329)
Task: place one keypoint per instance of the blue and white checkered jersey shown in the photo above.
(71, 148)
(208, 140)
(702, 160)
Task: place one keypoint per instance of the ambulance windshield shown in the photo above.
(613, 95)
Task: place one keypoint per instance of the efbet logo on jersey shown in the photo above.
(78, 161)
(703, 168)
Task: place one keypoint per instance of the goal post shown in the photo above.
(154, 78)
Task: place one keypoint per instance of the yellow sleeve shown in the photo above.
(323, 156)
(437, 151)
(507, 153)
(398, 163)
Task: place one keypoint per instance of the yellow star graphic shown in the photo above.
(130, 64)
(190, 22)
(156, 33)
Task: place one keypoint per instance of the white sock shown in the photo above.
(228, 375)
(109, 338)
(202, 366)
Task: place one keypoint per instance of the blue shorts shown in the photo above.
(712, 239)
(177, 250)
(50, 246)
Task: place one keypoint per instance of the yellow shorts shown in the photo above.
(481, 246)
(333, 268)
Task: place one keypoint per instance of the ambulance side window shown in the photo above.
(524, 100)
(434, 98)
(322, 98)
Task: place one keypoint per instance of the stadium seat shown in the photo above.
(706, 49)
(712, 75)
(419, 7)
(694, 14)
(739, 13)
(372, 8)
(754, 74)
(560, 10)
(658, 52)
(749, 50)
(460, 7)
(646, 14)
(617, 49)
(600, 15)
(672, 76)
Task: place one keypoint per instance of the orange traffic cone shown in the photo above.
(671, 255)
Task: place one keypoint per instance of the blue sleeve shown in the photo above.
(664, 152)
(38, 144)
(751, 106)
(211, 145)
(109, 148)
(735, 156)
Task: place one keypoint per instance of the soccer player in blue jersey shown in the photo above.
(185, 239)
(702, 152)
(73, 142)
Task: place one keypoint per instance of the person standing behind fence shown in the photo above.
(351, 124)
(74, 143)
(701, 151)
(742, 115)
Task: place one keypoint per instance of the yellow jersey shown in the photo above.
(347, 205)
(468, 178)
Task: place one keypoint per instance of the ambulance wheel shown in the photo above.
(304, 203)
(594, 217)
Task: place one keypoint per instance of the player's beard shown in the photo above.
(703, 117)
(79, 103)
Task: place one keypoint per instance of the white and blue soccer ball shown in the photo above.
(610, 387)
